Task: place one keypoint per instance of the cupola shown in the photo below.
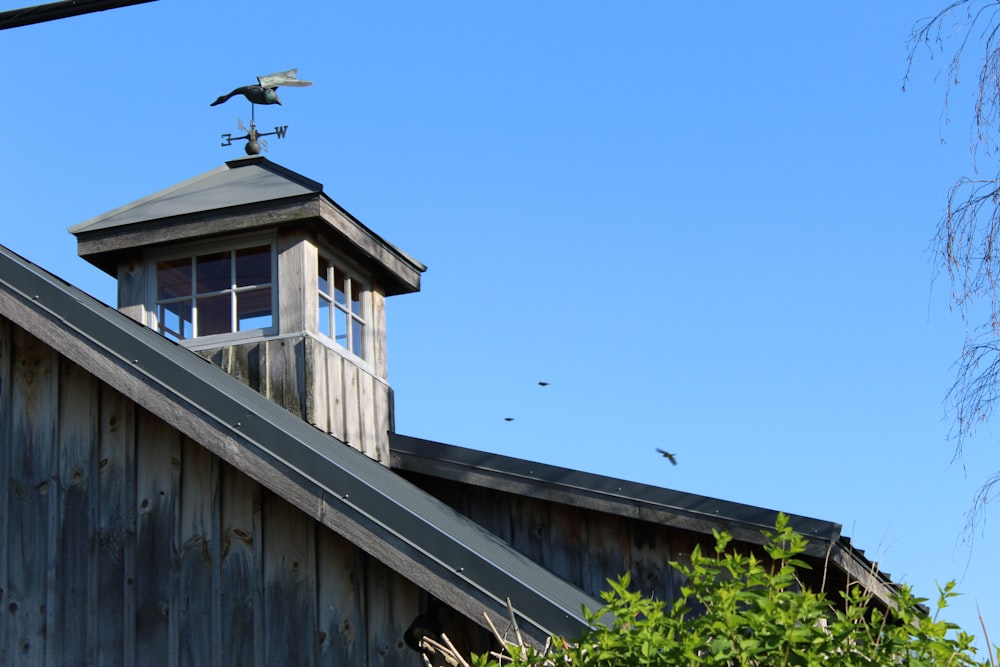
(255, 268)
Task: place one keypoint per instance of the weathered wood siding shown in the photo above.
(123, 542)
(585, 547)
(314, 381)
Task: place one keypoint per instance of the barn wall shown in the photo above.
(586, 547)
(123, 542)
(583, 546)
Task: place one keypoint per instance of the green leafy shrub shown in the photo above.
(735, 610)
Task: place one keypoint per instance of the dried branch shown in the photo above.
(986, 635)
(513, 623)
(504, 655)
(967, 241)
(973, 396)
(445, 649)
(971, 20)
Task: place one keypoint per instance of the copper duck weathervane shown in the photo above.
(261, 93)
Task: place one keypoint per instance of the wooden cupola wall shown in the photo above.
(255, 268)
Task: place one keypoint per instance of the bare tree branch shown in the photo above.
(967, 241)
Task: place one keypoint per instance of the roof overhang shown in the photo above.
(668, 507)
(246, 195)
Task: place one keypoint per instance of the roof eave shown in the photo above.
(106, 247)
(658, 505)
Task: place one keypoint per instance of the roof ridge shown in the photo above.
(262, 161)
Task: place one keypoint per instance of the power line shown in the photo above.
(53, 11)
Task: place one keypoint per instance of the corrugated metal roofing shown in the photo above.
(395, 511)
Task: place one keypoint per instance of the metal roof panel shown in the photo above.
(239, 182)
(435, 458)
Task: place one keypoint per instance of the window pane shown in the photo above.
(175, 320)
(173, 278)
(253, 309)
(356, 289)
(253, 266)
(324, 272)
(214, 315)
(324, 316)
(339, 286)
(357, 338)
(340, 324)
(213, 273)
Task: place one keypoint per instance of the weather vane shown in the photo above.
(262, 93)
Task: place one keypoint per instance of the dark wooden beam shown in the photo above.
(53, 11)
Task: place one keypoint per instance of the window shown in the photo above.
(342, 306)
(215, 293)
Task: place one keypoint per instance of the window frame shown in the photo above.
(354, 275)
(191, 252)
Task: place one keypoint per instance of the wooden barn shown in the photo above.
(210, 474)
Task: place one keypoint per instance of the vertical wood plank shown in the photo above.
(370, 439)
(491, 509)
(529, 518)
(379, 354)
(383, 419)
(245, 362)
(292, 279)
(5, 481)
(567, 536)
(286, 368)
(294, 377)
(72, 609)
(198, 554)
(392, 604)
(335, 397)
(267, 368)
(275, 364)
(32, 465)
(649, 561)
(607, 554)
(51, 630)
(290, 632)
(132, 289)
(341, 596)
(259, 615)
(241, 584)
(157, 462)
(256, 366)
(114, 640)
(309, 255)
(352, 407)
(391, 413)
(317, 398)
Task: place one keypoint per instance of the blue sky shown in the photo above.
(705, 224)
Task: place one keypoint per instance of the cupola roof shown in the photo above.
(248, 194)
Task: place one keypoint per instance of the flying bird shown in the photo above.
(668, 455)
(544, 384)
(508, 419)
(263, 92)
